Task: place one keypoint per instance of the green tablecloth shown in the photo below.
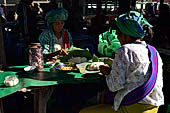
(44, 78)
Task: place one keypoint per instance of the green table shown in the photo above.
(42, 82)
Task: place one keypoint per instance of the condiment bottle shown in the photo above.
(36, 56)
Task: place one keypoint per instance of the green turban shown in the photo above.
(57, 14)
(132, 24)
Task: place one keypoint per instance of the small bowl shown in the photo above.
(59, 66)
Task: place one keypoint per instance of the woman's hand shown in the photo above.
(60, 52)
(105, 69)
(63, 52)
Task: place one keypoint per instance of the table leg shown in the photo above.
(1, 106)
(41, 97)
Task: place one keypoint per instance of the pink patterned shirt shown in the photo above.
(130, 69)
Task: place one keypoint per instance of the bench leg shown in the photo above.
(41, 97)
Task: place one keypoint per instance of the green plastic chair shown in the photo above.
(168, 109)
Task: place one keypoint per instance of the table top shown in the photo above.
(44, 78)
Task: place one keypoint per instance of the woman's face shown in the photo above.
(123, 38)
(58, 26)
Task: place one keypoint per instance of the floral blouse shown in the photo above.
(130, 69)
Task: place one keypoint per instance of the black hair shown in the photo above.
(148, 34)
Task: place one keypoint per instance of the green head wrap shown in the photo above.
(132, 24)
(57, 14)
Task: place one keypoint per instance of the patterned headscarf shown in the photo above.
(132, 24)
(57, 14)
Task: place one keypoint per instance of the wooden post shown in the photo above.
(133, 4)
(99, 5)
(1, 106)
(84, 7)
(161, 2)
(41, 97)
(141, 6)
(2, 48)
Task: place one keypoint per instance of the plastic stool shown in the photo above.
(168, 109)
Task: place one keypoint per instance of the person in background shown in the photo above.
(3, 19)
(37, 8)
(98, 26)
(161, 40)
(27, 25)
(98, 23)
(11, 16)
(135, 79)
(2, 14)
(153, 9)
(108, 42)
(55, 39)
(162, 35)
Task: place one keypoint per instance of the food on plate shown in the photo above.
(77, 60)
(95, 58)
(66, 68)
(75, 52)
(94, 66)
(79, 52)
(70, 64)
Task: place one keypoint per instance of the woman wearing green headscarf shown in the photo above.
(55, 39)
(135, 79)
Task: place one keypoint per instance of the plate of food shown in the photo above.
(86, 68)
(93, 67)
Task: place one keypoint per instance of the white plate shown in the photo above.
(29, 68)
(82, 68)
(91, 71)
